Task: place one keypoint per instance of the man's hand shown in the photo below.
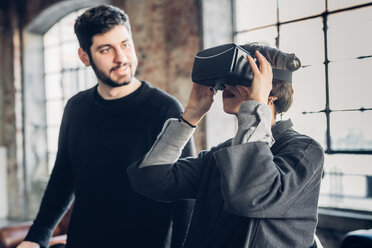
(262, 80)
(27, 244)
(200, 101)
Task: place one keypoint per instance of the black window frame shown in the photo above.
(327, 110)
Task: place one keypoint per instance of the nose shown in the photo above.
(120, 56)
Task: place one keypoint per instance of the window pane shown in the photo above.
(70, 83)
(346, 182)
(70, 55)
(305, 39)
(313, 125)
(340, 4)
(351, 130)
(65, 75)
(53, 138)
(266, 35)
(252, 13)
(51, 160)
(220, 126)
(67, 27)
(349, 34)
(294, 9)
(54, 112)
(350, 84)
(82, 79)
(87, 78)
(307, 83)
(52, 59)
(53, 89)
(91, 79)
(51, 38)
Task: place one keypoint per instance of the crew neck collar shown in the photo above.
(130, 98)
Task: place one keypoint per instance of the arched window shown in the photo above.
(64, 74)
(52, 73)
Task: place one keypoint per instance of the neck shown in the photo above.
(273, 115)
(111, 93)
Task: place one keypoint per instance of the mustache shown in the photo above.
(120, 65)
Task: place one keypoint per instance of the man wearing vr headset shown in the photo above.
(258, 189)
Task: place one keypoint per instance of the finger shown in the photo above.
(244, 91)
(253, 65)
(202, 90)
(213, 90)
(269, 68)
(199, 88)
(196, 85)
(262, 62)
(242, 88)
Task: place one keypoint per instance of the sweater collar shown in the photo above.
(129, 99)
(280, 127)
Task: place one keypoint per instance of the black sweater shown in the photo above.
(98, 140)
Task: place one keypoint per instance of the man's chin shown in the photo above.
(120, 84)
(114, 84)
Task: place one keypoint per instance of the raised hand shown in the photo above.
(28, 244)
(200, 101)
(262, 80)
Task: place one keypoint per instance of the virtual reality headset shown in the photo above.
(228, 64)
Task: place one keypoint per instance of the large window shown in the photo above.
(332, 38)
(65, 75)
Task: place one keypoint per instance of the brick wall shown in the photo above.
(8, 29)
(166, 34)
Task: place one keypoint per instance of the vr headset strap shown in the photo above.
(282, 75)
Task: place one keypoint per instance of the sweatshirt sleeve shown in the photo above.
(162, 175)
(58, 194)
(169, 144)
(181, 209)
(254, 124)
(174, 177)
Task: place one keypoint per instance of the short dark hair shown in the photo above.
(277, 59)
(98, 20)
(284, 93)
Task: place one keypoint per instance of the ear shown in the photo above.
(271, 99)
(84, 57)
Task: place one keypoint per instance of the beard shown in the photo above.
(107, 80)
